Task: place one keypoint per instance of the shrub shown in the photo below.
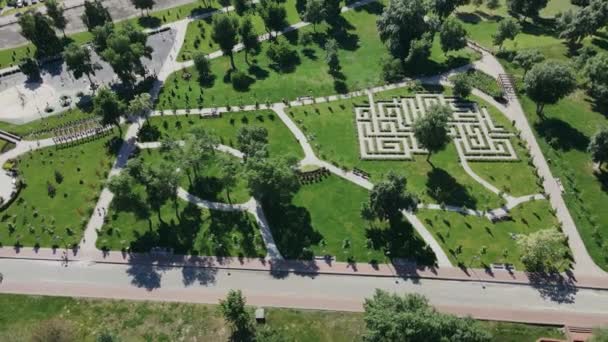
(462, 85)
(392, 70)
(50, 189)
(58, 177)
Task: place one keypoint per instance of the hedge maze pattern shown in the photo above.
(385, 129)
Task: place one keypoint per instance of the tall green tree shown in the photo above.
(78, 60)
(203, 66)
(543, 251)
(526, 8)
(401, 23)
(125, 48)
(273, 15)
(432, 129)
(598, 147)
(462, 85)
(272, 181)
(38, 29)
(526, 59)
(30, 68)
(314, 13)
(95, 14)
(549, 82)
(240, 6)
(55, 12)
(230, 171)
(331, 56)
(249, 37)
(443, 8)
(596, 74)
(109, 107)
(143, 5)
(332, 10)
(121, 185)
(410, 318)
(140, 105)
(507, 29)
(452, 35)
(388, 198)
(252, 140)
(162, 186)
(224, 33)
(235, 313)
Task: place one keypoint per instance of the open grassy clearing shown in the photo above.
(452, 230)
(208, 185)
(198, 36)
(182, 226)
(77, 174)
(37, 129)
(324, 219)
(139, 320)
(360, 54)
(280, 140)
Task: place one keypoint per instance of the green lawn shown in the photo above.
(208, 185)
(36, 217)
(280, 140)
(452, 230)
(186, 228)
(154, 321)
(40, 129)
(360, 54)
(324, 219)
(198, 36)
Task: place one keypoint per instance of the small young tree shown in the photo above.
(549, 82)
(78, 60)
(392, 70)
(249, 37)
(432, 130)
(598, 147)
(95, 15)
(224, 33)
(462, 85)
(331, 56)
(452, 36)
(507, 29)
(543, 251)
(55, 12)
(526, 59)
(235, 313)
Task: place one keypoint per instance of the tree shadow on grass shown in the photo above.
(371, 8)
(292, 230)
(257, 72)
(134, 204)
(222, 226)
(149, 22)
(602, 177)
(208, 188)
(339, 30)
(560, 135)
(113, 145)
(469, 18)
(541, 27)
(401, 241)
(444, 188)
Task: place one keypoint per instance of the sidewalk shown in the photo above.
(308, 267)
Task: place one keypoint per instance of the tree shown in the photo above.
(431, 130)
(78, 60)
(162, 186)
(230, 170)
(452, 36)
(125, 48)
(549, 82)
(314, 13)
(410, 318)
(598, 147)
(272, 181)
(224, 33)
(37, 28)
(331, 56)
(492, 4)
(55, 12)
(273, 15)
(140, 105)
(143, 5)
(392, 70)
(331, 10)
(507, 29)
(420, 50)
(575, 25)
(282, 55)
(121, 185)
(526, 59)
(402, 22)
(235, 313)
(203, 67)
(443, 8)
(596, 73)
(543, 251)
(252, 140)
(388, 198)
(249, 38)
(240, 6)
(30, 68)
(462, 85)
(109, 107)
(95, 14)
(526, 8)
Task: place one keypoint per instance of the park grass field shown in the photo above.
(141, 320)
(198, 35)
(280, 140)
(36, 218)
(34, 129)
(452, 230)
(360, 55)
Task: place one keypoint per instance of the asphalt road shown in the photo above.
(492, 301)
